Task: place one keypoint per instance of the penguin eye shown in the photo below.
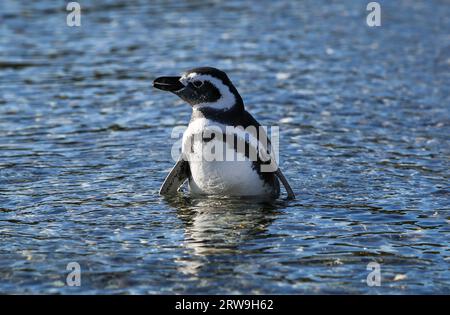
(197, 83)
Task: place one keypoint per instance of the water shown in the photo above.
(85, 144)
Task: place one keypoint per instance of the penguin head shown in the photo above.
(202, 88)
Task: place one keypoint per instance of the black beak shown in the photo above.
(171, 84)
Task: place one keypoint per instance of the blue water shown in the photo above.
(364, 115)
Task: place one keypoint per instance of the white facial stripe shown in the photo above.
(227, 99)
(186, 78)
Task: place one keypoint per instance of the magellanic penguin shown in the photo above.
(218, 122)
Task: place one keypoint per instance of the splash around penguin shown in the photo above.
(218, 120)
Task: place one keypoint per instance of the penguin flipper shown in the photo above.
(177, 176)
(285, 183)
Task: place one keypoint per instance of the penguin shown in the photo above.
(225, 151)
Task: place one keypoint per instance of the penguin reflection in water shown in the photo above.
(217, 106)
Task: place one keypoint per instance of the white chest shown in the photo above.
(215, 166)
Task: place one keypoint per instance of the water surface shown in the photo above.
(85, 144)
